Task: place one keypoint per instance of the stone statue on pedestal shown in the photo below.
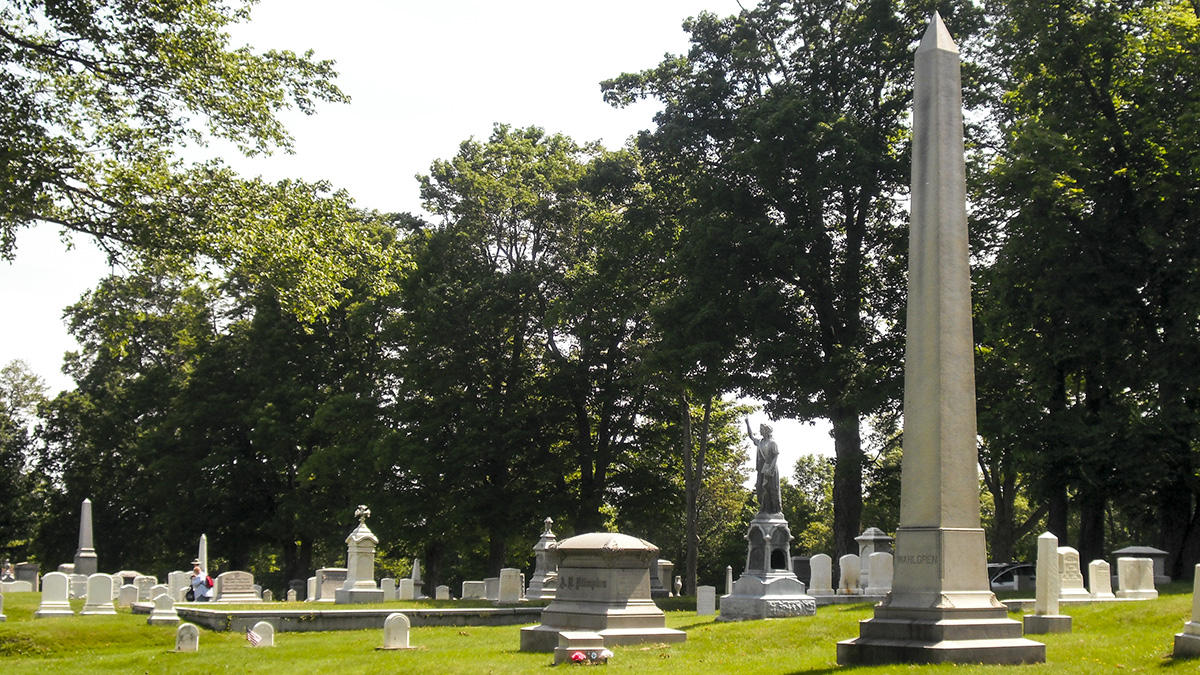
(766, 464)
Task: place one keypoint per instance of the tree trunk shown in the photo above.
(431, 572)
(1091, 527)
(1056, 515)
(497, 552)
(847, 482)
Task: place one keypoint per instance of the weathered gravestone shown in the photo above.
(291, 595)
(849, 569)
(1187, 643)
(178, 581)
(706, 600)
(266, 634)
(187, 638)
(268, 596)
(54, 597)
(406, 592)
(603, 587)
(491, 588)
(99, 596)
(163, 613)
(1045, 617)
(1100, 576)
(144, 583)
(127, 595)
(388, 586)
(441, 593)
(880, 564)
(78, 585)
(510, 586)
(1072, 576)
(395, 632)
(329, 579)
(1157, 555)
(474, 590)
(29, 571)
(157, 590)
(236, 586)
(1135, 579)
(821, 568)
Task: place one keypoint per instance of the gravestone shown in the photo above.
(406, 592)
(300, 586)
(941, 608)
(821, 567)
(117, 583)
(491, 588)
(1100, 576)
(728, 579)
(28, 571)
(54, 597)
(584, 645)
(1072, 575)
(1187, 643)
(291, 595)
(268, 596)
(235, 586)
(78, 585)
(329, 579)
(266, 634)
(1159, 557)
(510, 586)
(388, 586)
(442, 593)
(395, 632)
(545, 573)
(187, 638)
(849, 569)
(473, 590)
(880, 564)
(359, 586)
(418, 591)
(1045, 617)
(311, 589)
(872, 540)
(802, 568)
(657, 589)
(666, 569)
(16, 587)
(143, 584)
(706, 600)
(127, 595)
(85, 555)
(202, 553)
(177, 581)
(157, 590)
(99, 596)
(1135, 579)
(603, 587)
(163, 613)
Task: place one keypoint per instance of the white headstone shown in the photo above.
(473, 590)
(728, 579)
(849, 567)
(880, 564)
(118, 582)
(1188, 643)
(821, 569)
(268, 596)
(1135, 579)
(187, 638)
(329, 579)
(405, 592)
(157, 590)
(311, 593)
(395, 631)
(706, 600)
(99, 596)
(442, 593)
(235, 586)
(360, 586)
(127, 595)
(491, 588)
(388, 585)
(291, 595)
(510, 586)
(266, 634)
(1049, 579)
(143, 584)
(54, 597)
(177, 581)
(1100, 578)
(163, 613)
(1072, 576)
(78, 585)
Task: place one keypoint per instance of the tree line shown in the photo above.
(563, 332)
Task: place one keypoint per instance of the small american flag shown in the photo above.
(252, 637)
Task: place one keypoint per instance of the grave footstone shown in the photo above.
(54, 597)
(1045, 617)
(603, 587)
(510, 586)
(849, 569)
(706, 600)
(1187, 643)
(821, 568)
(442, 593)
(880, 564)
(473, 590)
(99, 596)
(395, 632)
(127, 595)
(1135, 579)
(235, 586)
(187, 638)
(1100, 578)
(163, 613)
(266, 634)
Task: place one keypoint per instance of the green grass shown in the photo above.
(1124, 637)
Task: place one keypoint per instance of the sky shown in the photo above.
(423, 77)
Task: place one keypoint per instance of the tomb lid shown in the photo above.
(610, 541)
(1131, 551)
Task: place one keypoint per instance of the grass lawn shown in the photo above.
(1125, 637)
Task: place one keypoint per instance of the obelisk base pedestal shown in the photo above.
(939, 635)
(775, 596)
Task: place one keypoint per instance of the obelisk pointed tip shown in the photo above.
(937, 37)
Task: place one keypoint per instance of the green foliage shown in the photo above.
(808, 504)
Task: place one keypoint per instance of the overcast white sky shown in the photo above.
(423, 78)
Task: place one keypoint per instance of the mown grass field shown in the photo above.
(1107, 638)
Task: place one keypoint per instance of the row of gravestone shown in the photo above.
(262, 634)
(99, 599)
(879, 573)
(1135, 578)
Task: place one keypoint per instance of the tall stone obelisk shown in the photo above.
(85, 557)
(941, 608)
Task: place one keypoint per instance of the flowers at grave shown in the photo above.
(591, 657)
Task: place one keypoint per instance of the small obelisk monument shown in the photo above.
(85, 556)
(941, 608)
